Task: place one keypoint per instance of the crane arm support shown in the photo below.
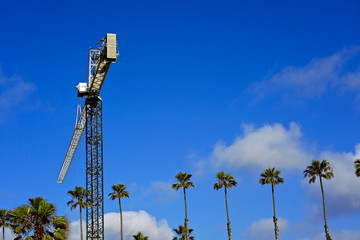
(99, 77)
(108, 54)
(79, 129)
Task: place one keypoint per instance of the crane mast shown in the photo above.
(100, 59)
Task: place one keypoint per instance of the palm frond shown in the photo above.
(183, 181)
(319, 169)
(271, 176)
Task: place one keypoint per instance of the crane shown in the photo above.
(100, 59)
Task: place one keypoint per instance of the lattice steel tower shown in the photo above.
(100, 59)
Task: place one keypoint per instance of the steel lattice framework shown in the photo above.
(94, 169)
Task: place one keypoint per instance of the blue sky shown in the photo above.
(199, 86)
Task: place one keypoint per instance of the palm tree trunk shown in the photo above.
(36, 229)
(121, 220)
(274, 218)
(327, 234)
(41, 233)
(3, 231)
(81, 231)
(227, 214)
(186, 219)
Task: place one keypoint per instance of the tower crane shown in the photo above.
(100, 59)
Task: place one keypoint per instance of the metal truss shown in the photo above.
(94, 59)
(79, 128)
(94, 168)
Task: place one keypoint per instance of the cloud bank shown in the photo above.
(133, 222)
(267, 146)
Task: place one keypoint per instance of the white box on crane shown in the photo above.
(82, 89)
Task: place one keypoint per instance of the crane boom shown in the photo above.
(79, 129)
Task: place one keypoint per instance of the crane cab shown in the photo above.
(82, 89)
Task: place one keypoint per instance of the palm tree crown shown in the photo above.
(119, 192)
(321, 169)
(271, 176)
(181, 232)
(225, 179)
(38, 218)
(140, 236)
(183, 181)
(79, 198)
(357, 167)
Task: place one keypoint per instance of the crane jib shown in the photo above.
(79, 129)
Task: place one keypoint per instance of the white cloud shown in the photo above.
(266, 146)
(162, 191)
(133, 222)
(313, 79)
(75, 230)
(264, 228)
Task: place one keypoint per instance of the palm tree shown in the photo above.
(184, 182)
(272, 176)
(119, 193)
(322, 170)
(3, 221)
(80, 197)
(37, 221)
(140, 236)
(357, 167)
(181, 232)
(228, 181)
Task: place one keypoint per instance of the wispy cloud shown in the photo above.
(161, 191)
(14, 91)
(313, 79)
